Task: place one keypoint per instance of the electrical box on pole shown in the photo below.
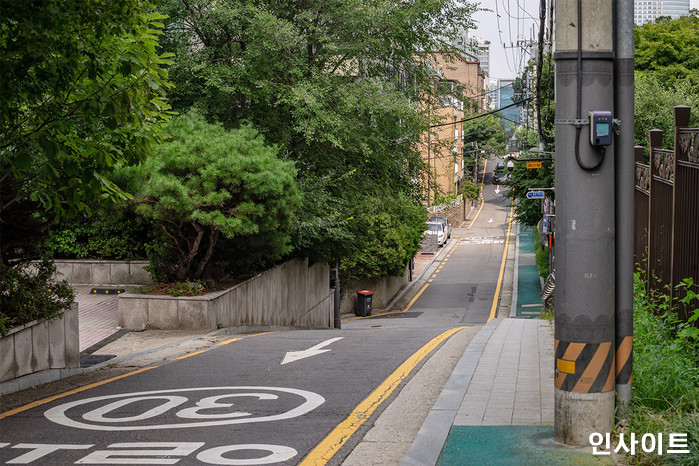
(585, 226)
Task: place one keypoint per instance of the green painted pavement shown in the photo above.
(526, 240)
(511, 445)
(529, 304)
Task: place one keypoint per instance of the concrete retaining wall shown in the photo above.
(41, 345)
(95, 272)
(384, 290)
(293, 294)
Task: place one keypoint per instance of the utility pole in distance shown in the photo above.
(585, 227)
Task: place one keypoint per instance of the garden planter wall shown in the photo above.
(40, 346)
(293, 294)
(97, 272)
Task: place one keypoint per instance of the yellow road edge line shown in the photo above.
(412, 301)
(190, 355)
(228, 341)
(326, 449)
(493, 309)
(372, 316)
(485, 165)
(71, 392)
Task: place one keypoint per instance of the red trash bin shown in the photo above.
(363, 308)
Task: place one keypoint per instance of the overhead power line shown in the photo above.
(485, 114)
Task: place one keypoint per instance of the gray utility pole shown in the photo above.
(624, 169)
(585, 227)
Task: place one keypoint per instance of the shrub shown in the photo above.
(206, 183)
(28, 293)
(665, 373)
(542, 255)
(116, 233)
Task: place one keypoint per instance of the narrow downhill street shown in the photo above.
(288, 397)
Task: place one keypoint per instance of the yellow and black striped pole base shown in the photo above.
(584, 390)
(584, 367)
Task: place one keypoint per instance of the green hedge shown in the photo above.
(115, 233)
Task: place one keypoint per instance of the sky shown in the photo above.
(518, 21)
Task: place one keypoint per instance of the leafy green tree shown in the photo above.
(390, 230)
(528, 211)
(206, 182)
(654, 102)
(81, 85)
(484, 134)
(670, 47)
(335, 84)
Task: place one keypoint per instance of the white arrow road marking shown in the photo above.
(292, 356)
(490, 221)
(497, 190)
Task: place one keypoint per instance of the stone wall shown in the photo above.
(456, 214)
(40, 346)
(97, 272)
(293, 294)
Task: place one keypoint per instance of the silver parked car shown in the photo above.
(444, 221)
(437, 228)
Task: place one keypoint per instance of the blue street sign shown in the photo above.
(535, 195)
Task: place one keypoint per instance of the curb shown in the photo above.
(430, 440)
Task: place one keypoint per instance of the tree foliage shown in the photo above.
(670, 48)
(653, 106)
(528, 211)
(667, 74)
(81, 86)
(29, 292)
(206, 182)
(486, 133)
(335, 84)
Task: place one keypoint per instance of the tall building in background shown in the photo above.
(492, 101)
(647, 11)
(483, 53)
(505, 96)
(475, 47)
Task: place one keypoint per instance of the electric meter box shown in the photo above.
(600, 128)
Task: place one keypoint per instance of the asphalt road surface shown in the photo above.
(285, 397)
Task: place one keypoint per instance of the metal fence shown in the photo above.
(667, 210)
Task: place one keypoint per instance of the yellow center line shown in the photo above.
(72, 392)
(325, 450)
(494, 307)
